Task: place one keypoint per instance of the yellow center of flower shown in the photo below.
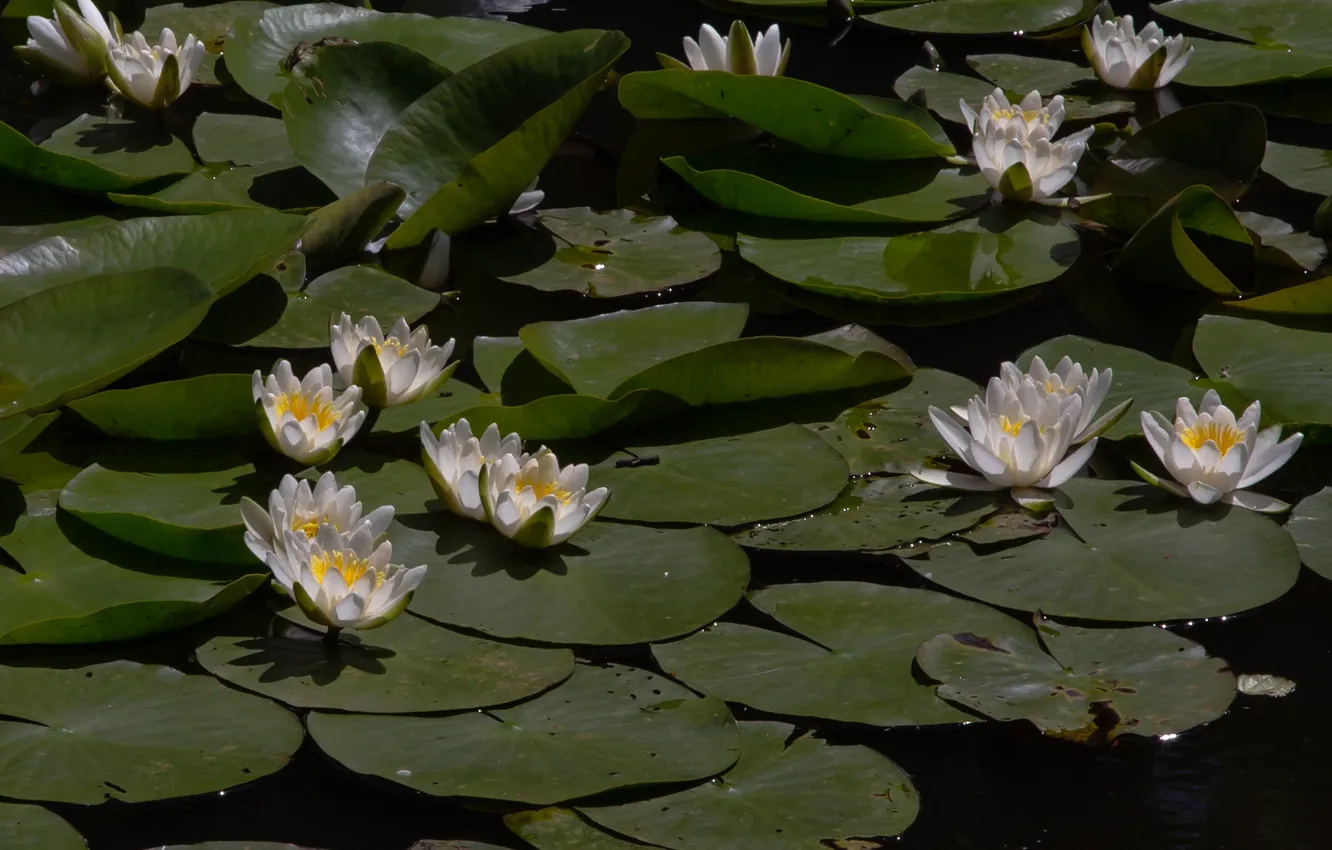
(1027, 116)
(390, 344)
(1010, 426)
(311, 525)
(1226, 437)
(301, 405)
(350, 567)
(541, 488)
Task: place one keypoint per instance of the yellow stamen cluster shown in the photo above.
(350, 567)
(391, 343)
(541, 488)
(1028, 115)
(301, 405)
(1226, 437)
(1010, 426)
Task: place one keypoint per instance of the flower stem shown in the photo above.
(331, 637)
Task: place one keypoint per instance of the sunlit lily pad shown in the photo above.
(407, 666)
(1282, 40)
(782, 795)
(201, 408)
(454, 396)
(606, 727)
(1305, 169)
(1130, 553)
(96, 154)
(986, 16)
(1024, 73)
(611, 584)
(91, 588)
(1094, 685)
(210, 24)
(24, 827)
(171, 735)
(1311, 526)
(723, 481)
(1307, 299)
(1277, 243)
(846, 653)
(601, 255)
(1285, 368)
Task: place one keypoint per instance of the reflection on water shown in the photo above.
(471, 8)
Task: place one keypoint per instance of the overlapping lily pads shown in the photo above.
(606, 727)
(1286, 368)
(1163, 252)
(25, 827)
(18, 432)
(96, 154)
(986, 16)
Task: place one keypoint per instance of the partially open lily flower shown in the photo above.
(1067, 378)
(1212, 456)
(1014, 149)
(529, 200)
(70, 47)
(535, 503)
(346, 581)
(395, 369)
(454, 463)
(765, 56)
(1134, 60)
(1017, 438)
(303, 419)
(153, 76)
(295, 506)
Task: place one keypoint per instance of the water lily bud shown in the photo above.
(765, 56)
(1021, 136)
(395, 369)
(1134, 60)
(535, 503)
(153, 76)
(303, 419)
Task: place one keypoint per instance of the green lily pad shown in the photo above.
(779, 796)
(20, 236)
(449, 400)
(818, 119)
(224, 250)
(172, 735)
(1311, 526)
(1285, 368)
(1093, 686)
(1027, 73)
(1164, 253)
(256, 50)
(569, 417)
(1305, 169)
(986, 16)
(606, 727)
(209, 24)
(202, 408)
(609, 585)
(995, 253)
(1130, 553)
(874, 515)
(724, 481)
(1307, 299)
(24, 827)
(343, 228)
(941, 91)
(18, 432)
(457, 172)
(563, 829)
(183, 504)
(1277, 243)
(1283, 39)
(601, 255)
(96, 154)
(1151, 383)
(342, 100)
(804, 187)
(846, 653)
(407, 666)
(893, 433)
(68, 341)
(79, 585)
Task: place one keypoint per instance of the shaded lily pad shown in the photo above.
(1305, 169)
(64, 342)
(563, 829)
(1278, 243)
(24, 827)
(201, 408)
(1311, 526)
(210, 24)
(942, 90)
(1285, 368)
(172, 735)
(995, 253)
(1151, 383)
(818, 119)
(346, 226)
(569, 417)
(1094, 685)
(779, 796)
(1130, 553)
(1026, 73)
(986, 16)
(17, 432)
(723, 481)
(1307, 299)
(601, 255)
(1164, 253)
(611, 584)
(79, 585)
(96, 154)
(407, 666)
(847, 654)
(873, 515)
(606, 727)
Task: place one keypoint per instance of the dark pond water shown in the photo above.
(1259, 778)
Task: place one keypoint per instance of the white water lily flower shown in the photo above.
(153, 76)
(395, 369)
(1213, 457)
(454, 463)
(303, 419)
(1134, 60)
(535, 503)
(295, 506)
(1013, 147)
(529, 200)
(765, 56)
(346, 582)
(70, 46)
(1067, 378)
(1018, 439)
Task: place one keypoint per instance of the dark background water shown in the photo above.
(1258, 778)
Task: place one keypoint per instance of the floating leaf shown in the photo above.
(1279, 244)
(563, 829)
(451, 398)
(24, 827)
(17, 432)
(96, 154)
(345, 227)
(1307, 299)
(606, 727)
(210, 24)
(1093, 686)
(986, 16)
(1027, 73)
(171, 735)
(201, 408)
(942, 90)
(1287, 369)
(569, 417)
(780, 796)
(846, 653)
(1305, 169)
(1129, 553)
(1311, 526)
(1164, 253)
(1288, 40)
